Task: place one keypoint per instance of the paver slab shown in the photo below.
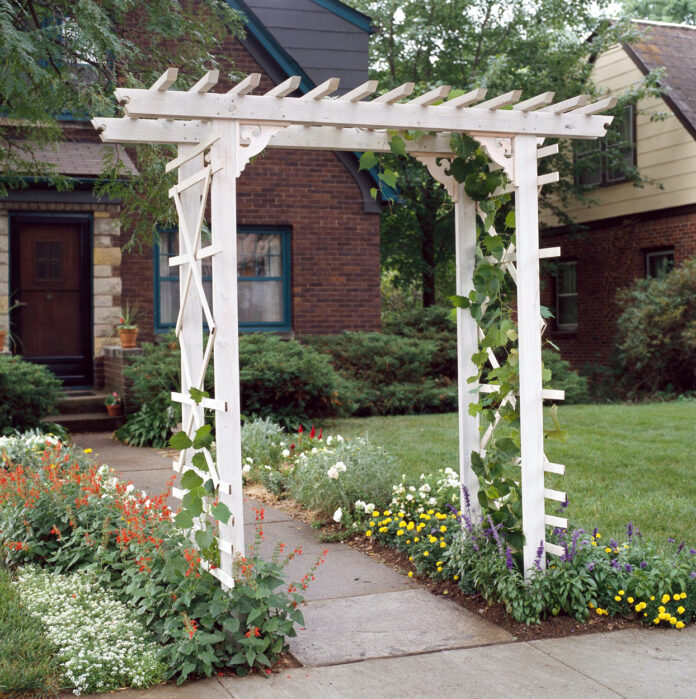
(388, 624)
(510, 670)
(634, 662)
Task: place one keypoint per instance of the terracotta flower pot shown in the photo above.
(3, 335)
(128, 336)
(114, 410)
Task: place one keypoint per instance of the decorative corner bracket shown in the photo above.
(436, 167)
(500, 151)
(253, 139)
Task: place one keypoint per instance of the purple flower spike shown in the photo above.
(539, 554)
(590, 566)
(467, 498)
(670, 540)
(692, 574)
(629, 529)
(692, 552)
(508, 559)
(681, 547)
(628, 568)
(614, 563)
(643, 564)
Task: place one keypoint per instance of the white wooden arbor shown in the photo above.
(218, 133)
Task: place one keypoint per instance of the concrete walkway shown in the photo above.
(370, 630)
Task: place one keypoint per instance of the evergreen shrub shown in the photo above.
(28, 392)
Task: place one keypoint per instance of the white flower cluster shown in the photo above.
(367, 507)
(15, 448)
(435, 490)
(101, 646)
(339, 467)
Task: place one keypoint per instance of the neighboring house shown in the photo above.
(632, 232)
(308, 230)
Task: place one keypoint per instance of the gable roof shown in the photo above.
(316, 39)
(672, 47)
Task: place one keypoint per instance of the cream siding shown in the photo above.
(665, 151)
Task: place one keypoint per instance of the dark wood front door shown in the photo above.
(50, 277)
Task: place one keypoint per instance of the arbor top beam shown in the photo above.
(282, 110)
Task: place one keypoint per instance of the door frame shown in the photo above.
(85, 222)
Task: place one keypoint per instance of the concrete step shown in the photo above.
(93, 402)
(87, 422)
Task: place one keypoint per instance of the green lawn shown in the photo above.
(624, 462)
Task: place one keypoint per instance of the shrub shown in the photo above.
(656, 332)
(563, 377)
(29, 392)
(286, 381)
(151, 426)
(388, 374)
(332, 477)
(262, 443)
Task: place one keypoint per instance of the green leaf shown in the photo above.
(199, 461)
(197, 395)
(184, 520)
(204, 538)
(221, 512)
(203, 438)
(368, 160)
(397, 145)
(388, 177)
(510, 219)
(191, 480)
(180, 441)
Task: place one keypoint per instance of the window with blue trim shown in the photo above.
(263, 279)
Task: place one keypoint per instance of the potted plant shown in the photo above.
(114, 404)
(128, 326)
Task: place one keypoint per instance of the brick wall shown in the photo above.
(335, 264)
(610, 255)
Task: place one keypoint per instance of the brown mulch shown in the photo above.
(553, 627)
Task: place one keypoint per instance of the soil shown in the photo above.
(553, 627)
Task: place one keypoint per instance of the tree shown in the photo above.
(501, 45)
(680, 11)
(63, 59)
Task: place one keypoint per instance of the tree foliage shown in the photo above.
(62, 60)
(680, 11)
(500, 45)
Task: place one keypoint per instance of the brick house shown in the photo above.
(308, 229)
(630, 232)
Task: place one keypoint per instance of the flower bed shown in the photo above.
(65, 513)
(631, 579)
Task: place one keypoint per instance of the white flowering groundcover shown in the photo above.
(101, 646)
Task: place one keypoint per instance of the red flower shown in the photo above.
(320, 429)
(312, 433)
(299, 429)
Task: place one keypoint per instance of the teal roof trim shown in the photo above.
(276, 51)
(360, 20)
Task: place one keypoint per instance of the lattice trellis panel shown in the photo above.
(191, 199)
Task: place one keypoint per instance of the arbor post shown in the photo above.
(467, 345)
(529, 327)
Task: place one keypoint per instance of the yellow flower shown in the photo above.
(410, 526)
(456, 577)
(681, 610)
(432, 539)
(430, 512)
(410, 573)
(652, 599)
(387, 513)
(600, 611)
(408, 541)
(680, 624)
(443, 544)
(368, 532)
(673, 620)
(630, 600)
(410, 558)
(621, 592)
(416, 539)
(617, 598)
(402, 523)
(607, 550)
(88, 451)
(426, 553)
(656, 620)
(439, 569)
(590, 605)
(444, 592)
(598, 535)
(661, 610)
(375, 514)
(400, 532)
(594, 543)
(665, 598)
(443, 528)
